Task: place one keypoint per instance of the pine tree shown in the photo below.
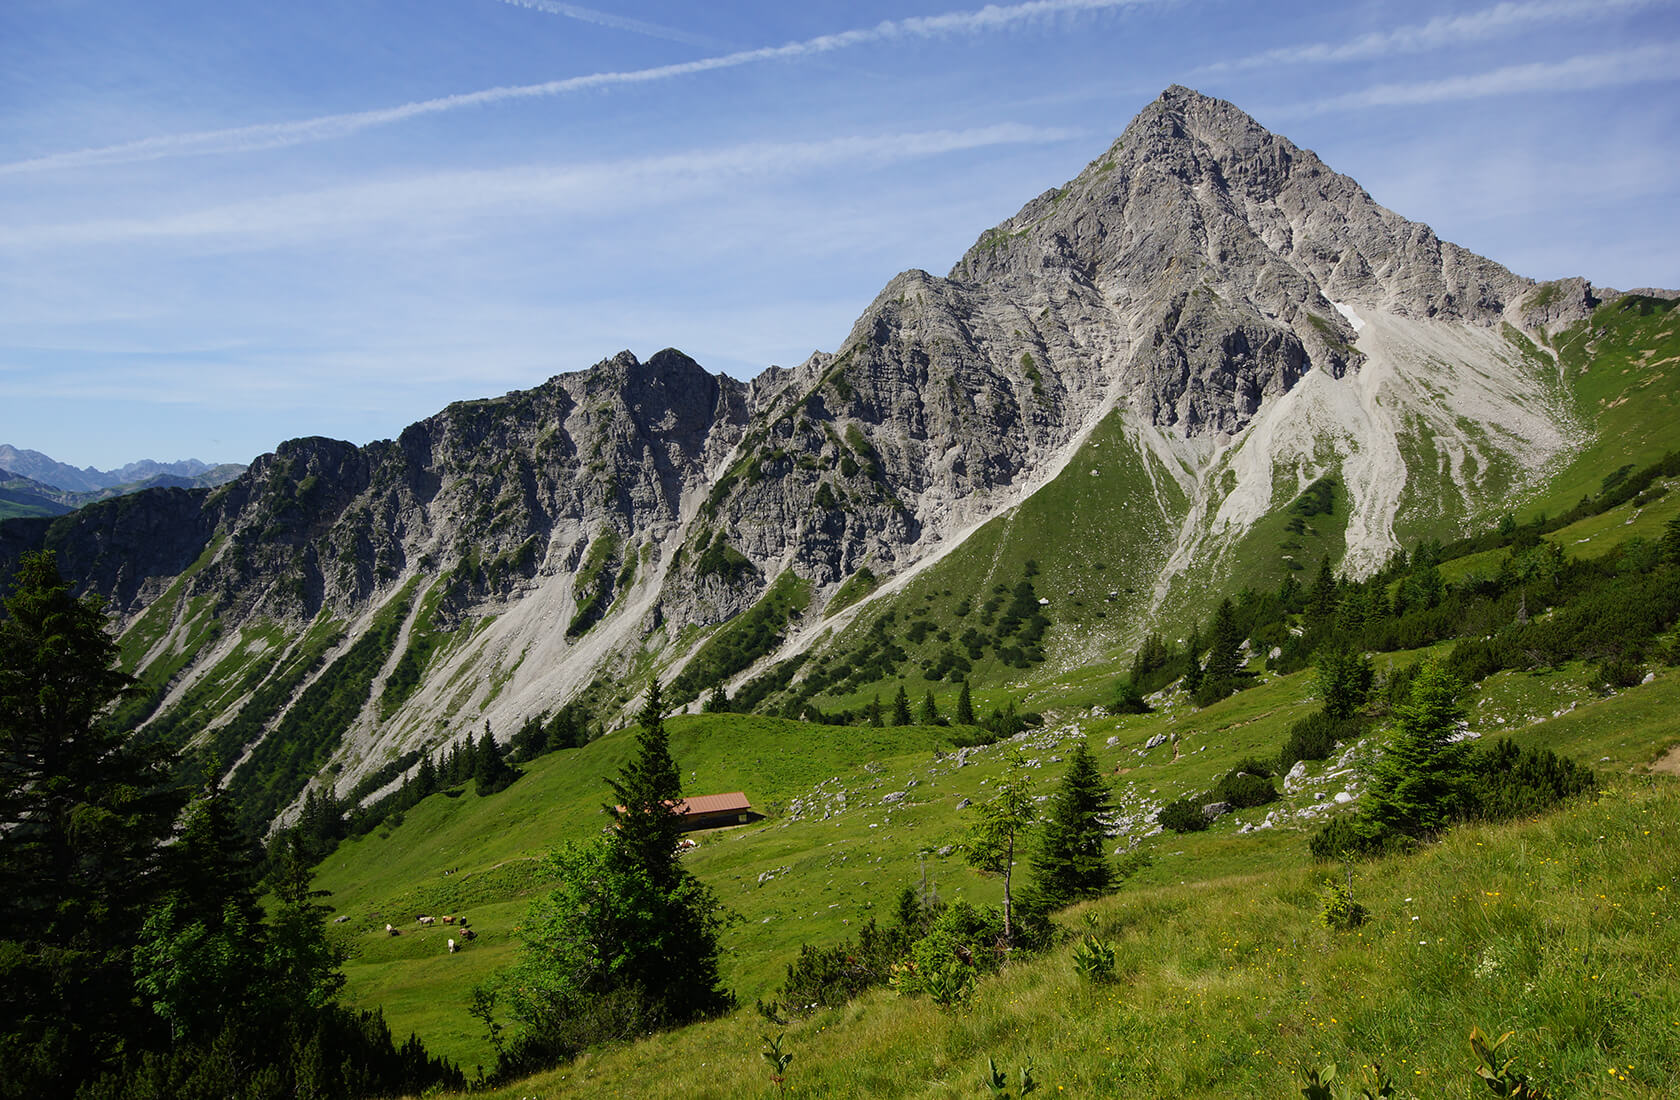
(930, 711)
(718, 703)
(491, 771)
(901, 707)
(1416, 786)
(1321, 598)
(1193, 653)
(1224, 659)
(648, 789)
(873, 712)
(965, 707)
(82, 814)
(1069, 864)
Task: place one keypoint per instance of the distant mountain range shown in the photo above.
(34, 484)
(1204, 363)
(58, 475)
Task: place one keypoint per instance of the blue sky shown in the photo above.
(225, 225)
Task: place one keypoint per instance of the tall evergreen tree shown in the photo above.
(965, 707)
(1417, 785)
(82, 812)
(1069, 864)
(901, 707)
(929, 715)
(648, 789)
(1224, 658)
(491, 771)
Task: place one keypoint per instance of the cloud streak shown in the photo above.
(614, 22)
(1441, 32)
(1616, 68)
(292, 218)
(992, 18)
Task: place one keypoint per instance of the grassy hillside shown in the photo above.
(1620, 365)
(1562, 931)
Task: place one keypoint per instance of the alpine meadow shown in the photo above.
(1217, 640)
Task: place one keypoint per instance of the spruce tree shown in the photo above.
(1069, 864)
(648, 789)
(1224, 658)
(491, 771)
(965, 707)
(873, 712)
(1417, 785)
(901, 707)
(930, 711)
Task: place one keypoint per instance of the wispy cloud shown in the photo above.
(1616, 68)
(593, 187)
(614, 22)
(1441, 32)
(992, 18)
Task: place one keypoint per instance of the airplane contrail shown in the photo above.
(271, 135)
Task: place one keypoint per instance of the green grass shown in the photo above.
(1560, 930)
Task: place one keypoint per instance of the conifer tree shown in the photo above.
(965, 707)
(930, 711)
(873, 712)
(82, 812)
(1069, 864)
(491, 771)
(901, 707)
(1224, 658)
(648, 789)
(1417, 785)
(1193, 651)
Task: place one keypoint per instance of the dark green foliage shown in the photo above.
(825, 977)
(965, 707)
(1317, 499)
(719, 559)
(901, 708)
(491, 771)
(1183, 815)
(594, 587)
(718, 701)
(1416, 786)
(1127, 700)
(1344, 682)
(1315, 737)
(81, 815)
(1507, 782)
(929, 714)
(134, 969)
(1070, 862)
(1224, 660)
(629, 939)
(1243, 787)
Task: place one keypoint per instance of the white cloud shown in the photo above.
(1616, 68)
(613, 185)
(993, 17)
(1441, 32)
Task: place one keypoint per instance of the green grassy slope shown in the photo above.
(1562, 931)
(1622, 366)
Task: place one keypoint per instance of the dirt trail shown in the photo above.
(1669, 762)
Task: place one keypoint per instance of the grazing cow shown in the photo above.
(468, 934)
(447, 919)
(463, 922)
(425, 920)
(452, 947)
(389, 931)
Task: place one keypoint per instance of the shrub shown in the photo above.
(1183, 816)
(1243, 789)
